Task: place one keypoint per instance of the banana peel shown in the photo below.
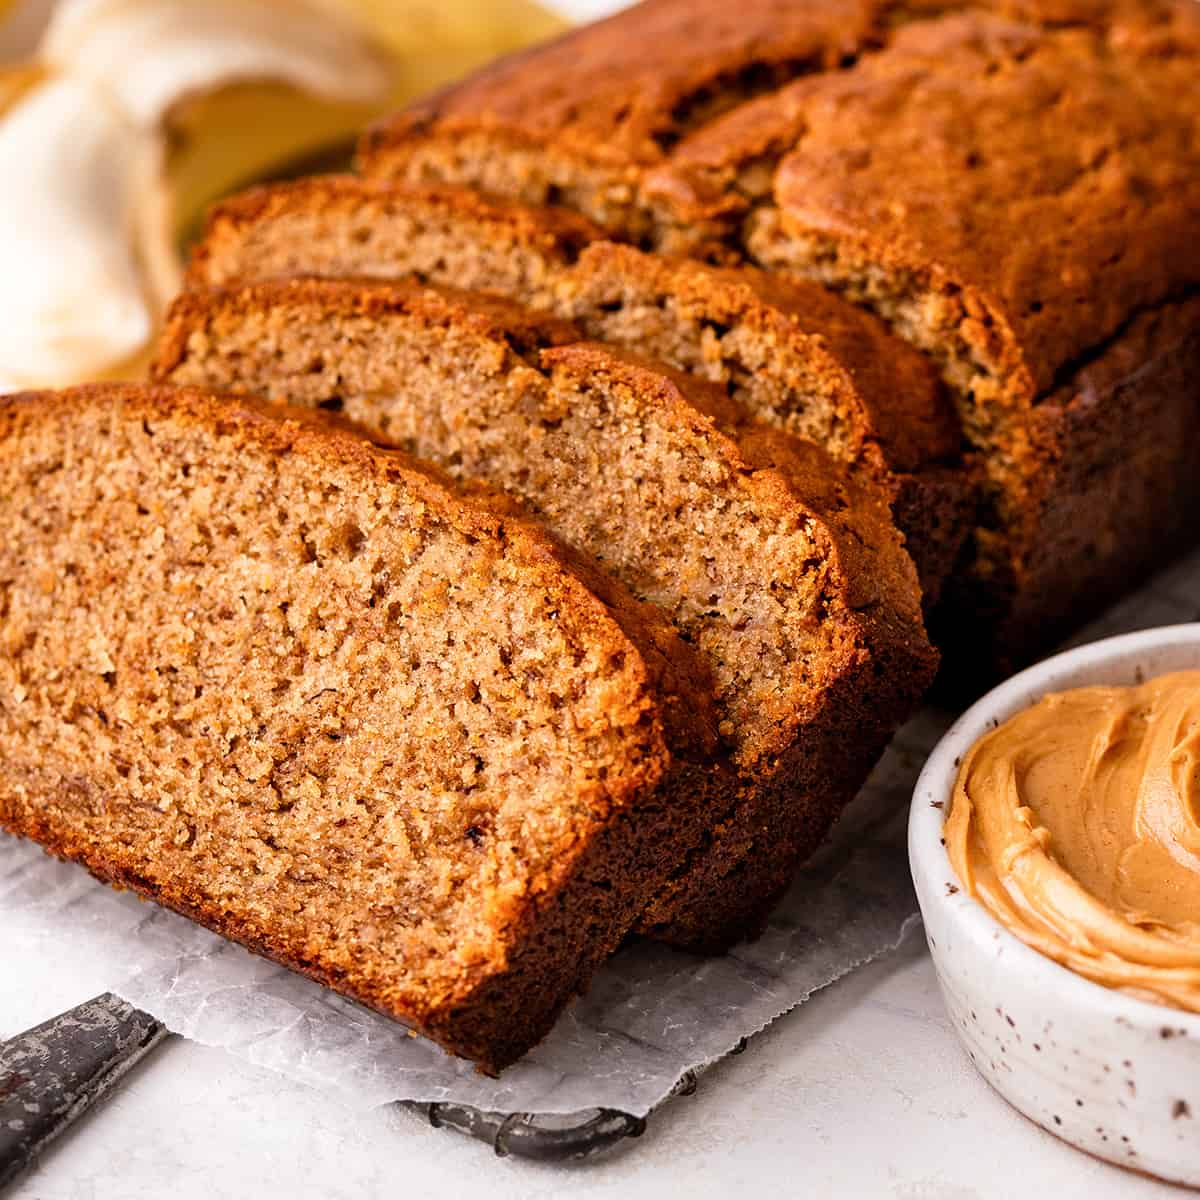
(85, 238)
(16, 82)
(250, 131)
(216, 97)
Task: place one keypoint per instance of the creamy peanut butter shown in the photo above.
(1077, 825)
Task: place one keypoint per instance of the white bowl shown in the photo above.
(1115, 1076)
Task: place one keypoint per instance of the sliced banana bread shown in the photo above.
(1088, 138)
(795, 357)
(791, 354)
(857, 386)
(1012, 184)
(788, 576)
(292, 686)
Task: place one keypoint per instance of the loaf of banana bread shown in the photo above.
(1013, 185)
(1071, 161)
(791, 354)
(785, 573)
(294, 687)
(441, 747)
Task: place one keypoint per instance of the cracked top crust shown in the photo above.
(625, 89)
(1051, 178)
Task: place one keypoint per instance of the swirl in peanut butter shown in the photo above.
(1077, 825)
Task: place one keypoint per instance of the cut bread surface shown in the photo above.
(861, 384)
(789, 353)
(799, 359)
(640, 468)
(345, 226)
(607, 447)
(294, 687)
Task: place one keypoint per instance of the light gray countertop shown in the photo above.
(862, 1092)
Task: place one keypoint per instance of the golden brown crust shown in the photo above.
(982, 117)
(546, 941)
(999, 106)
(581, 120)
(629, 88)
(712, 180)
(1115, 495)
(594, 121)
(624, 90)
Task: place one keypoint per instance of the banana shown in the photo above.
(85, 238)
(435, 41)
(136, 114)
(151, 54)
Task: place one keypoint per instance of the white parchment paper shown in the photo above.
(651, 1015)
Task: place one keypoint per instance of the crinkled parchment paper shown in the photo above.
(651, 1015)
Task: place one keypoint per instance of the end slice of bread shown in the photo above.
(294, 687)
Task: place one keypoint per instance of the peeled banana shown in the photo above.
(138, 113)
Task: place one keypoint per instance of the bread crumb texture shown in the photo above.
(287, 683)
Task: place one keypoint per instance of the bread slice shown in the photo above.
(784, 572)
(790, 353)
(292, 686)
(844, 380)
(797, 358)
(341, 225)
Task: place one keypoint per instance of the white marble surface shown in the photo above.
(863, 1092)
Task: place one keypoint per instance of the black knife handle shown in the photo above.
(51, 1074)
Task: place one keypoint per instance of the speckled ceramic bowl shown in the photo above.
(1114, 1076)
